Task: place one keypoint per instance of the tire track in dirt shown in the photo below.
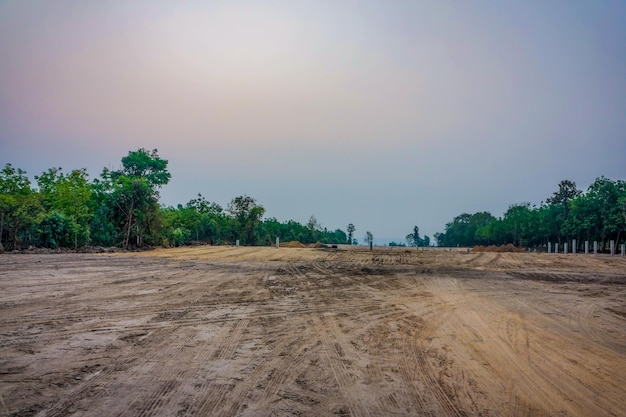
(159, 398)
(216, 391)
(266, 374)
(517, 406)
(226, 350)
(270, 376)
(477, 333)
(556, 370)
(416, 366)
(513, 351)
(344, 377)
(101, 378)
(379, 337)
(197, 383)
(504, 346)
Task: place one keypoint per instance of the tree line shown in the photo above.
(121, 208)
(598, 214)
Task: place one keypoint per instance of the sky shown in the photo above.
(384, 114)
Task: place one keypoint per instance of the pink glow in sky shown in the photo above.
(383, 114)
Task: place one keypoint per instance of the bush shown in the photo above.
(178, 236)
(57, 230)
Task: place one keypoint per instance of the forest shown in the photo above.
(598, 214)
(121, 208)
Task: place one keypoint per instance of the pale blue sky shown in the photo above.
(385, 114)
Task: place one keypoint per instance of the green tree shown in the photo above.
(312, 227)
(71, 196)
(516, 223)
(57, 230)
(146, 165)
(559, 208)
(128, 200)
(103, 230)
(458, 232)
(20, 207)
(606, 209)
(247, 215)
(413, 239)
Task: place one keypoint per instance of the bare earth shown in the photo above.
(277, 332)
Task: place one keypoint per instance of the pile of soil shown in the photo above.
(501, 248)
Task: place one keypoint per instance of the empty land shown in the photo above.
(277, 332)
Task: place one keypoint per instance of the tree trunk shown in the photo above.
(130, 225)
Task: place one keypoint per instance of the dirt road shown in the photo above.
(280, 332)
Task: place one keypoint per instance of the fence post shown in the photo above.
(565, 248)
(612, 247)
(586, 247)
(237, 243)
(277, 243)
(623, 249)
(595, 247)
(574, 246)
(549, 247)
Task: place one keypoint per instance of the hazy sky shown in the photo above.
(386, 114)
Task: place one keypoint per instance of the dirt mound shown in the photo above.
(493, 248)
(292, 244)
(296, 244)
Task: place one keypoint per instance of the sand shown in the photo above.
(224, 331)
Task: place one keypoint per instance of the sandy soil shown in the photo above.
(277, 332)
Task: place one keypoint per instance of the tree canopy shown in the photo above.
(599, 214)
(121, 208)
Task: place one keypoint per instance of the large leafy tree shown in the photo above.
(413, 239)
(20, 207)
(606, 208)
(458, 231)
(246, 215)
(130, 197)
(559, 205)
(516, 223)
(103, 230)
(70, 198)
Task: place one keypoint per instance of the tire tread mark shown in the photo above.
(341, 374)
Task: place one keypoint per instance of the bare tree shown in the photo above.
(350, 229)
(369, 238)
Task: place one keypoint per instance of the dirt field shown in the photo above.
(278, 332)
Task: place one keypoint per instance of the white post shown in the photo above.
(556, 247)
(237, 243)
(612, 247)
(586, 247)
(623, 249)
(595, 247)
(277, 243)
(565, 248)
(549, 247)
(574, 246)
